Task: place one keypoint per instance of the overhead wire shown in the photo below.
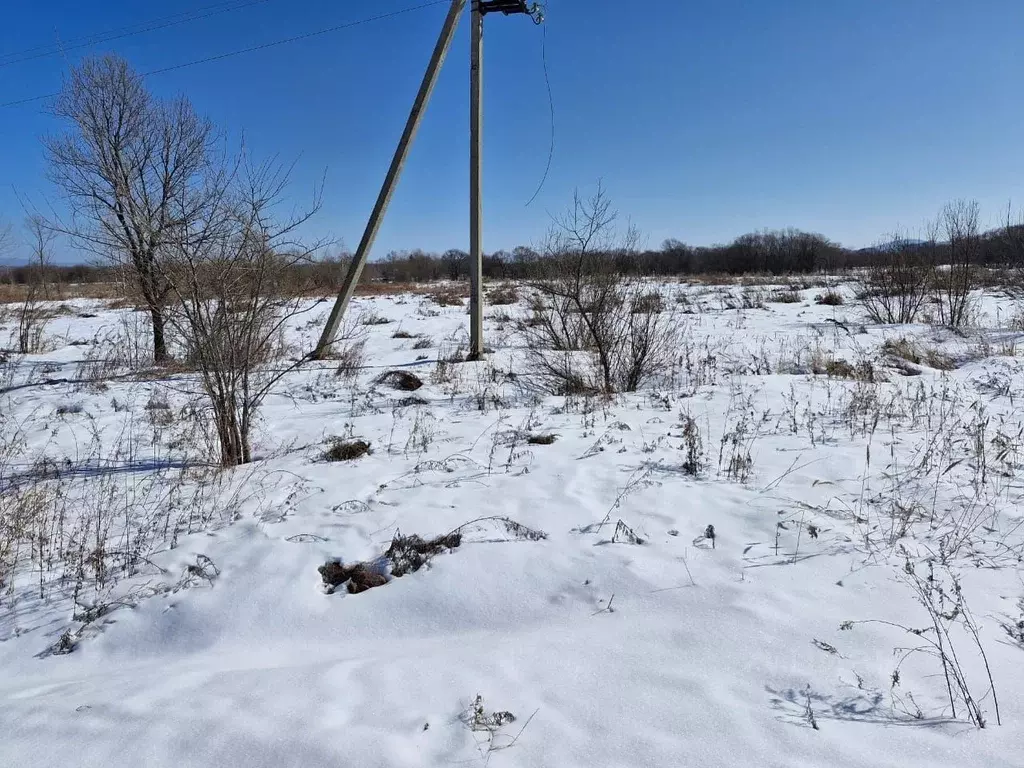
(254, 48)
(116, 30)
(296, 38)
(42, 52)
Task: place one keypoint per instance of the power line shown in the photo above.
(42, 52)
(252, 49)
(80, 38)
(296, 38)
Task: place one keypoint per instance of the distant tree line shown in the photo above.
(776, 252)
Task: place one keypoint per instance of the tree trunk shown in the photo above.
(230, 450)
(160, 355)
(233, 437)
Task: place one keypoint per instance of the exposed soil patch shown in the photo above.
(407, 554)
(346, 450)
(404, 380)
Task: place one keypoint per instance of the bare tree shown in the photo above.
(124, 159)
(595, 327)
(230, 268)
(456, 264)
(898, 283)
(32, 315)
(1011, 239)
(958, 223)
(6, 239)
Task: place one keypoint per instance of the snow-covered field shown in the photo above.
(839, 495)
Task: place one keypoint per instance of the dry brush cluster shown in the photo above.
(592, 327)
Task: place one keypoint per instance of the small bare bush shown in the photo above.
(751, 298)
(224, 266)
(907, 349)
(951, 624)
(958, 222)
(830, 299)
(594, 329)
(648, 303)
(503, 295)
(32, 316)
(787, 296)
(373, 318)
(837, 368)
(897, 285)
(351, 357)
(446, 297)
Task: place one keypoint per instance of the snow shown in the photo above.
(670, 652)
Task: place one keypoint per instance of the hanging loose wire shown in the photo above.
(551, 108)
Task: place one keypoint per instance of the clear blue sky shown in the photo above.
(704, 119)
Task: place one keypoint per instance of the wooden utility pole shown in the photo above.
(476, 255)
(476, 118)
(355, 269)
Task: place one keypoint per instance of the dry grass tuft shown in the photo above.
(787, 296)
(830, 299)
(910, 351)
(503, 295)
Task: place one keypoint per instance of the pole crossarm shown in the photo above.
(509, 7)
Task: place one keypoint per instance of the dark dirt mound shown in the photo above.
(346, 450)
(360, 576)
(408, 382)
(407, 554)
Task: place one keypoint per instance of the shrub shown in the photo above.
(785, 296)
(592, 328)
(350, 359)
(829, 299)
(838, 368)
(897, 285)
(372, 318)
(648, 303)
(503, 295)
(446, 298)
(908, 350)
(958, 222)
(226, 265)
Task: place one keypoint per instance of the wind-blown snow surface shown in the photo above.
(666, 653)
